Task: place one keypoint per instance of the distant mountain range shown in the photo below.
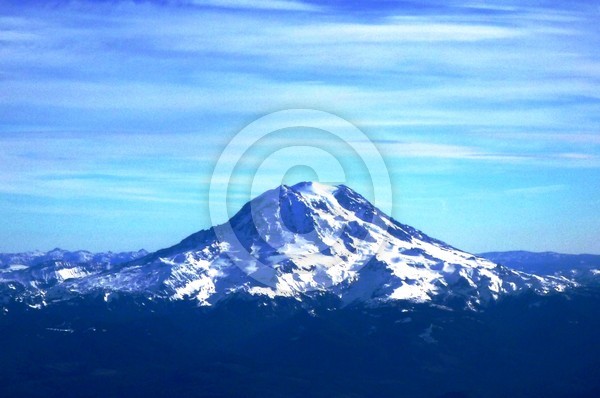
(12, 261)
(304, 242)
(577, 266)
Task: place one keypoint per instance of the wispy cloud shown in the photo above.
(278, 5)
(401, 30)
(536, 190)
(411, 149)
(552, 137)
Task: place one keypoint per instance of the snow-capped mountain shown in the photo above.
(303, 241)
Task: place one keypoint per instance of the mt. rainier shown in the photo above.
(304, 241)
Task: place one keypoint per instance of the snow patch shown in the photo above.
(71, 273)
(426, 335)
(413, 293)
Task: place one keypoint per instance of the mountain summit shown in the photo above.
(303, 242)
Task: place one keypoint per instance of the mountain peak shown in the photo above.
(312, 188)
(305, 207)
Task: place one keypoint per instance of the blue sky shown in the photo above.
(113, 115)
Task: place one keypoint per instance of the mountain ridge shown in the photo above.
(580, 267)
